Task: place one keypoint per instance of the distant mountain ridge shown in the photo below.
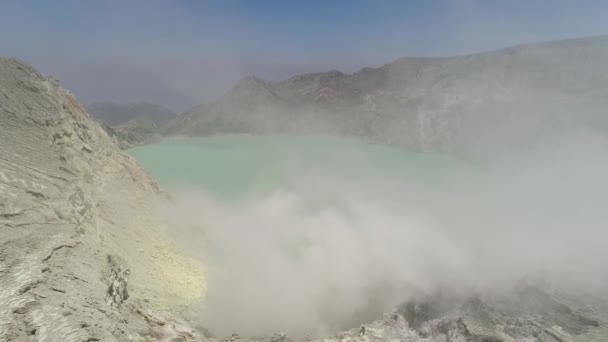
(114, 114)
(454, 104)
(134, 123)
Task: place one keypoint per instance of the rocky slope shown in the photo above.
(82, 255)
(474, 105)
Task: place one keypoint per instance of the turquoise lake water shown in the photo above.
(329, 217)
(231, 166)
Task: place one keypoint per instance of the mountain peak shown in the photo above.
(251, 87)
(250, 80)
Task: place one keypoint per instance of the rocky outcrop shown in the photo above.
(474, 105)
(81, 251)
(516, 317)
(118, 281)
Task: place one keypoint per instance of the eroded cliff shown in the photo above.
(83, 255)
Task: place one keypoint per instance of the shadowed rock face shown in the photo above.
(501, 99)
(78, 241)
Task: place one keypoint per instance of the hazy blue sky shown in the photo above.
(179, 53)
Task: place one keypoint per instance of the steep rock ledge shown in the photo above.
(75, 221)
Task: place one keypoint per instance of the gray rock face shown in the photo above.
(118, 279)
(71, 206)
(473, 105)
(516, 317)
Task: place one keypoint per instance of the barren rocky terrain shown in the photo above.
(82, 257)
